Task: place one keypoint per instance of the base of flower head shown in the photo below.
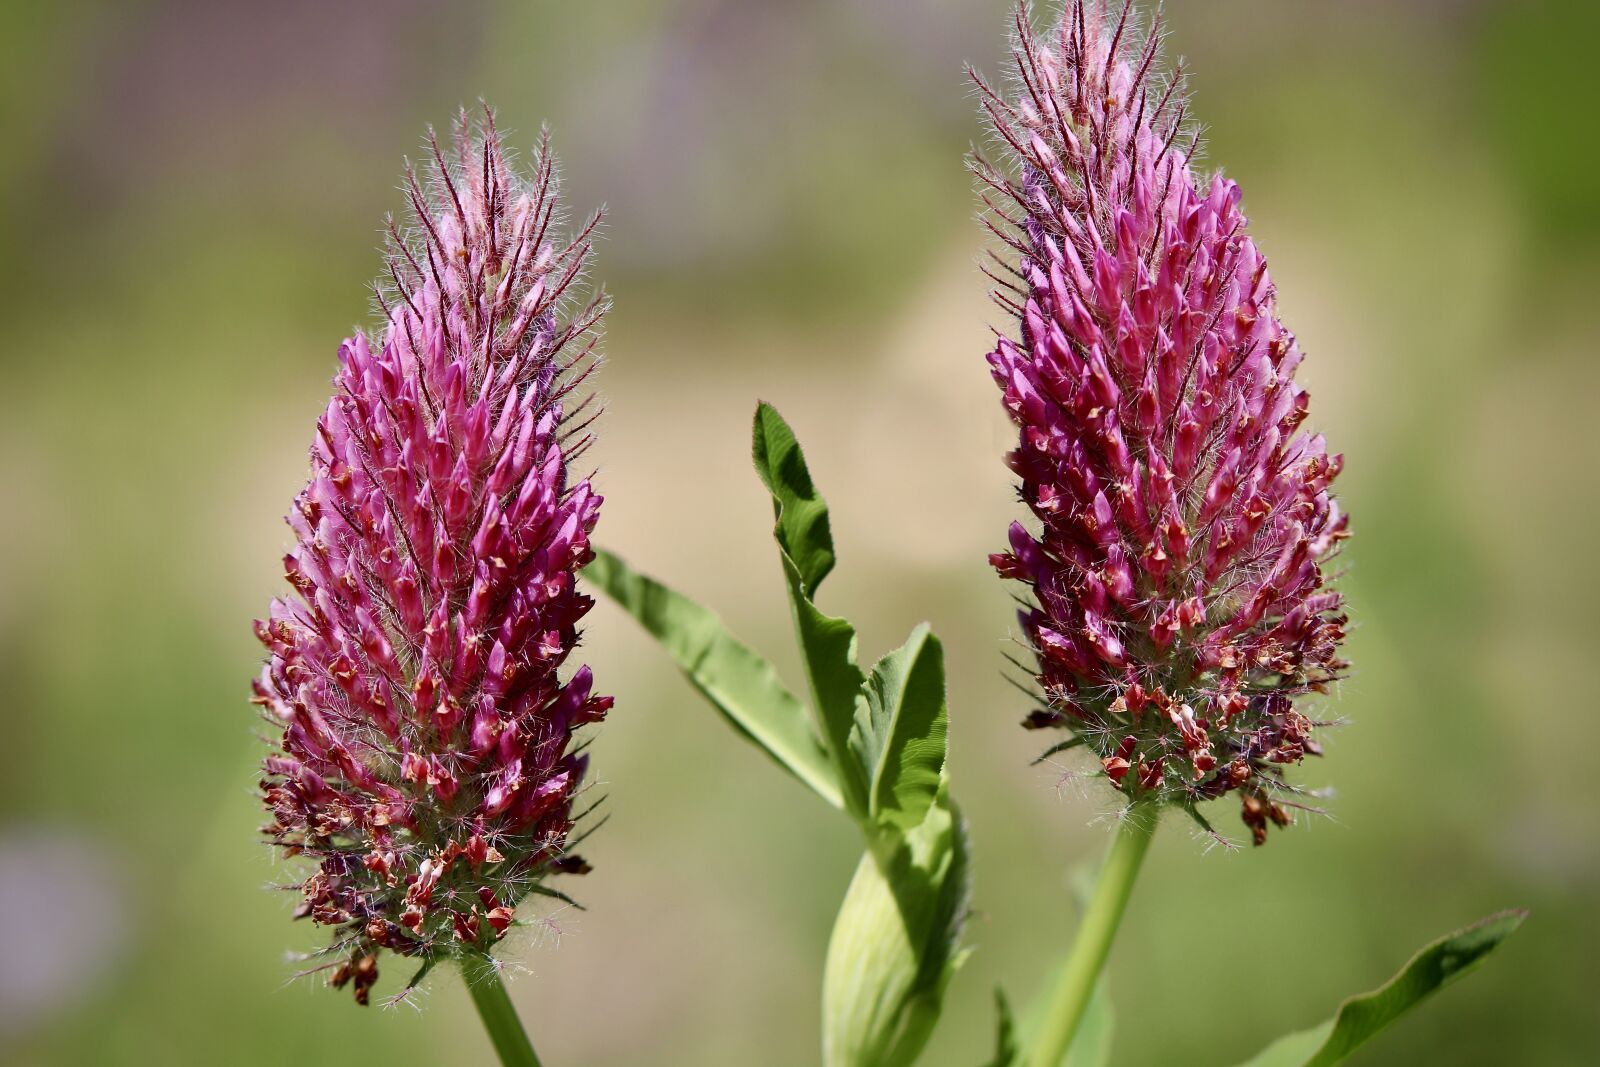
(1157, 749)
(440, 920)
(413, 883)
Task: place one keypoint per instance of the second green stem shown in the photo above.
(1066, 1002)
(499, 1017)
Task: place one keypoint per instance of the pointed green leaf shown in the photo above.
(1007, 1048)
(899, 736)
(1090, 1048)
(828, 647)
(827, 644)
(1360, 1018)
(896, 943)
(802, 529)
(738, 682)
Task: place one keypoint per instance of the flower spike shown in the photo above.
(1183, 515)
(424, 760)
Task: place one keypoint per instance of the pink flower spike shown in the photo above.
(1183, 516)
(415, 674)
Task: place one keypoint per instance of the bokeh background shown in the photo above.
(192, 191)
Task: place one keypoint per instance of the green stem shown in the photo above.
(1065, 1004)
(496, 1010)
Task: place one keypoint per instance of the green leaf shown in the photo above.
(1090, 1048)
(1293, 1050)
(803, 530)
(828, 647)
(738, 682)
(896, 943)
(827, 644)
(1360, 1018)
(900, 739)
(1007, 1047)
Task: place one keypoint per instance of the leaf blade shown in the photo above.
(1007, 1045)
(805, 548)
(738, 682)
(828, 647)
(1364, 1016)
(900, 741)
(1090, 1048)
(803, 528)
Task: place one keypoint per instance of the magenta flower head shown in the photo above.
(425, 763)
(1184, 516)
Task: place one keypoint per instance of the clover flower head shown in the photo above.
(1180, 607)
(424, 759)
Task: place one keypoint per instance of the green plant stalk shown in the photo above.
(496, 1010)
(1067, 1001)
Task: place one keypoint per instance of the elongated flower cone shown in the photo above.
(1179, 603)
(425, 762)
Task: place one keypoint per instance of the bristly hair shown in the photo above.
(558, 319)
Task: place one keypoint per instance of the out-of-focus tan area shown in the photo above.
(192, 194)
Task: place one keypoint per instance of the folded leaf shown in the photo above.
(827, 644)
(900, 740)
(1361, 1017)
(828, 647)
(738, 682)
(803, 529)
(896, 944)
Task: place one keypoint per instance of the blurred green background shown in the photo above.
(191, 198)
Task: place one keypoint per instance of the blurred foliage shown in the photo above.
(1536, 78)
(191, 199)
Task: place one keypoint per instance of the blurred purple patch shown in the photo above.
(62, 922)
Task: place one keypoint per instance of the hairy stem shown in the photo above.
(495, 1009)
(1065, 1004)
